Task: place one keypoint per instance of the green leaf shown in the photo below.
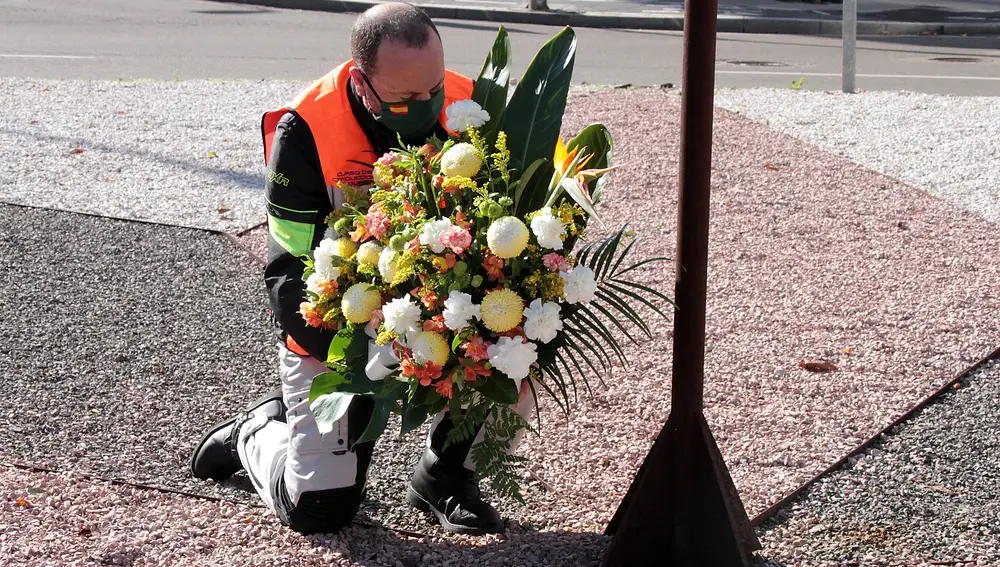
(646, 289)
(414, 416)
(490, 90)
(380, 418)
(326, 383)
(534, 114)
(338, 346)
(623, 307)
(521, 183)
(498, 388)
(535, 189)
(328, 408)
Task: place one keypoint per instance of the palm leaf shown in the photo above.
(569, 372)
(624, 308)
(646, 289)
(583, 334)
(595, 324)
(614, 320)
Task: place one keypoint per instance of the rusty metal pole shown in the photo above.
(682, 508)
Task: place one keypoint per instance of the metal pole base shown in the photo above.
(682, 509)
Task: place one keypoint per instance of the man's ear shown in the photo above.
(359, 81)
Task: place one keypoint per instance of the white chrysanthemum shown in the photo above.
(542, 321)
(461, 160)
(430, 234)
(465, 114)
(359, 302)
(579, 284)
(402, 316)
(430, 347)
(548, 229)
(458, 310)
(507, 237)
(512, 357)
(323, 259)
(387, 264)
(368, 253)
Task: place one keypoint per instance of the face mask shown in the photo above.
(409, 118)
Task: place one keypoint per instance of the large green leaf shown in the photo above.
(532, 192)
(491, 86)
(498, 388)
(326, 383)
(328, 408)
(534, 114)
(414, 415)
(378, 421)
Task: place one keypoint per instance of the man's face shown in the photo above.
(403, 73)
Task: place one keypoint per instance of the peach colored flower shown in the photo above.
(494, 267)
(378, 223)
(555, 262)
(456, 238)
(436, 324)
(443, 387)
(474, 371)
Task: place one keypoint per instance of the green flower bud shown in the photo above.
(477, 280)
(343, 226)
(460, 268)
(506, 201)
(397, 242)
(410, 233)
(495, 211)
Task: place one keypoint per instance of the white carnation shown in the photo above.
(402, 316)
(548, 229)
(512, 357)
(323, 259)
(387, 264)
(312, 283)
(458, 310)
(465, 114)
(579, 284)
(430, 234)
(542, 321)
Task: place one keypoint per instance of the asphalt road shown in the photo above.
(185, 39)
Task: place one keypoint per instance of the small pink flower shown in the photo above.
(388, 159)
(376, 319)
(555, 262)
(378, 223)
(456, 238)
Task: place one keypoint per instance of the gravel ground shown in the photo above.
(812, 256)
(185, 153)
(928, 495)
(945, 145)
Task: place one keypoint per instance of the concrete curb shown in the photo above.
(726, 24)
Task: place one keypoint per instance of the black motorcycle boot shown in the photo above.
(442, 486)
(215, 456)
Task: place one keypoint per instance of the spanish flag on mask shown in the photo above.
(399, 109)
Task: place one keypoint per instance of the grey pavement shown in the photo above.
(810, 17)
(194, 39)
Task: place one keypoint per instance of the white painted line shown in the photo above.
(869, 76)
(38, 56)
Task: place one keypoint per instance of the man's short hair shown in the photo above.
(404, 23)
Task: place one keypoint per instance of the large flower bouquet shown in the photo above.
(453, 283)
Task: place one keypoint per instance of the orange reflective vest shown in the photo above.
(345, 154)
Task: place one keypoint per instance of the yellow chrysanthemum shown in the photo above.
(345, 247)
(369, 252)
(502, 310)
(359, 302)
(461, 160)
(430, 347)
(507, 237)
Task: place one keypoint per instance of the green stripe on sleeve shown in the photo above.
(295, 237)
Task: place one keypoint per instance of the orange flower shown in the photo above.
(328, 286)
(475, 370)
(361, 233)
(428, 373)
(443, 387)
(494, 267)
(436, 325)
(475, 348)
(460, 220)
(309, 314)
(429, 300)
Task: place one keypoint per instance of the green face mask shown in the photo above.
(409, 118)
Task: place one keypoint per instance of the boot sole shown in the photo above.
(418, 502)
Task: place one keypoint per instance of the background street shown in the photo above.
(185, 39)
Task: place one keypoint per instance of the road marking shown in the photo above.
(38, 56)
(868, 76)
